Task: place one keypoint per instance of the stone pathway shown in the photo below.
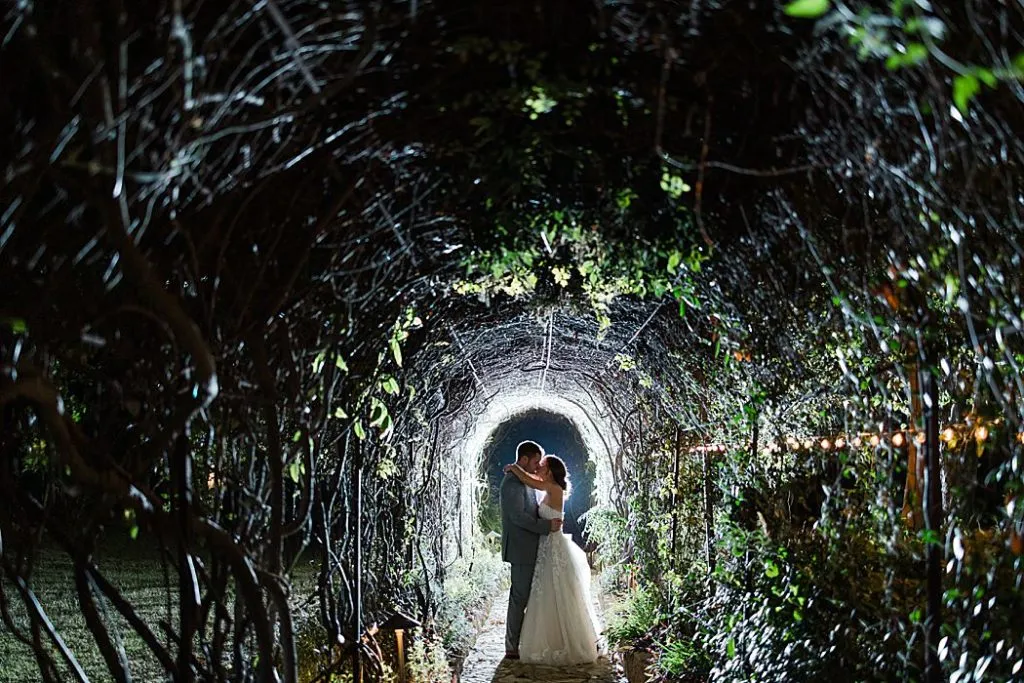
(487, 663)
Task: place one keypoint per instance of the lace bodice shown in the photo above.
(545, 511)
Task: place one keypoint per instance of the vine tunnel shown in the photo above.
(281, 283)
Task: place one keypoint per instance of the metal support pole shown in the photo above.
(675, 512)
(933, 516)
(709, 513)
(357, 662)
(182, 466)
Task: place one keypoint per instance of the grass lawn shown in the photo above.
(137, 572)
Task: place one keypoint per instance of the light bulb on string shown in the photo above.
(875, 440)
(921, 437)
(948, 434)
(857, 442)
(826, 444)
(897, 439)
(807, 444)
(981, 433)
(840, 442)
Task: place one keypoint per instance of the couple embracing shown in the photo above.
(551, 618)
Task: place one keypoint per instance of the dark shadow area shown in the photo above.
(558, 436)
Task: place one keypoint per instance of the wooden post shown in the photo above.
(933, 517)
(400, 645)
(912, 493)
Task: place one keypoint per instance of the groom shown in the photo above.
(521, 529)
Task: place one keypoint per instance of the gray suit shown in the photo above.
(521, 529)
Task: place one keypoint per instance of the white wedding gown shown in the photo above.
(560, 626)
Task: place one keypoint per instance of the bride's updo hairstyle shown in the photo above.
(558, 472)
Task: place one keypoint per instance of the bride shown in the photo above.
(560, 626)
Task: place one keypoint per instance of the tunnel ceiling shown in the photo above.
(426, 155)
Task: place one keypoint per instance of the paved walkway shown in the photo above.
(486, 663)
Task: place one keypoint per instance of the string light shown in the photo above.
(981, 432)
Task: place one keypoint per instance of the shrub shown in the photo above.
(633, 619)
(471, 581)
(427, 660)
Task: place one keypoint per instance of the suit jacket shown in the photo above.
(521, 527)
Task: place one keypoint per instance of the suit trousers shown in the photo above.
(518, 596)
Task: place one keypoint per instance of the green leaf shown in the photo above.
(133, 532)
(17, 325)
(318, 362)
(296, 436)
(673, 262)
(915, 54)
(340, 413)
(771, 570)
(293, 471)
(396, 351)
(807, 9)
(378, 413)
(965, 87)
(730, 648)
(952, 288)
(360, 432)
(987, 77)
(340, 363)
(390, 385)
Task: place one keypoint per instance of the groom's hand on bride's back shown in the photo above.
(556, 525)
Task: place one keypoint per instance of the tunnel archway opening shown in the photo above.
(557, 435)
(565, 418)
